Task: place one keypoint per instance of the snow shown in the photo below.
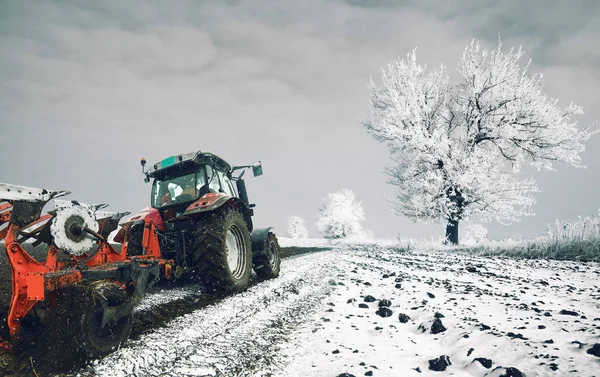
(295, 324)
(165, 295)
(239, 332)
(397, 349)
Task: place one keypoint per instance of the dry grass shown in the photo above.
(577, 240)
(540, 248)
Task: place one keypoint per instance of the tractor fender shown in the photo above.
(208, 202)
(260, 239)
(147, 214)
(213, 201)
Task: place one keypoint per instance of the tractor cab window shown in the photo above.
(213, 179)
(226, 183)
(180, 185)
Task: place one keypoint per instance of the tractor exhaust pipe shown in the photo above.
(242, 192)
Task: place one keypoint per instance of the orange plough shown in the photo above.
(78, 254)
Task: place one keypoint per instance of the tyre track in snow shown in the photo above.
(239, 335)
(170, 300)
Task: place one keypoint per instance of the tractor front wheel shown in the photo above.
(223, 251)
(268, 263)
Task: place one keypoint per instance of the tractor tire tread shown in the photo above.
(262, 265)
(209, 258)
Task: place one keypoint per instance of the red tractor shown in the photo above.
(198, 227)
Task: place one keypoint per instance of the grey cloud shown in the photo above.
(86, 89)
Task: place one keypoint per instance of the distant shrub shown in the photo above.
(474, 234)
(296, 228)
(340, 215)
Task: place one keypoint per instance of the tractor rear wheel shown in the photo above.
(222, 254)
(267, 264)
(96, 340)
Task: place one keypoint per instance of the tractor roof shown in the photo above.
(199, 158)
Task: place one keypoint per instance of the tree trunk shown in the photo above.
(452, 232)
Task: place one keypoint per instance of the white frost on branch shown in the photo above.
(459, 148)
(296, 228)
(340, 215)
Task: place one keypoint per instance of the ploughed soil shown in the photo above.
(47, 346)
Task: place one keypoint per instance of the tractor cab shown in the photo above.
(180, 181)
(184, 184)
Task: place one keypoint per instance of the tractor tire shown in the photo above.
(268, 263)
(222, 251)
(94, 340)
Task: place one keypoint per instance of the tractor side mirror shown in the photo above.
(143, 163)
(257, 168)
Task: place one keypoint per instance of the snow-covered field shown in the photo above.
(505, 311)
(371, 310)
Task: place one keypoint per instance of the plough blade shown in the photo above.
(108, 215)
(109, 221)
(62, 204)
(28, 194)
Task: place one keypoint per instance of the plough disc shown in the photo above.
(69, 227)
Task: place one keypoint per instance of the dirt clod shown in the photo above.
(595, 350)
(512, 372)
(437, 326)
(487, 363)
(403, 318)
(439, 364)
(384, 312)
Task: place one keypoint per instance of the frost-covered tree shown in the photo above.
(474, 234)
(459, 147)
(340, 215)
(296, 228)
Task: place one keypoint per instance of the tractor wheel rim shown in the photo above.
(272, 255)
(234, 241)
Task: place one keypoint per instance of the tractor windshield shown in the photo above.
(180, 185)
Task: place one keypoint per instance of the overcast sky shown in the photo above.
(88, 88)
